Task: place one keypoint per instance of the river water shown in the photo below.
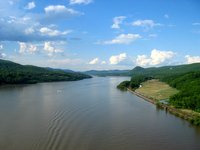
(88, 115)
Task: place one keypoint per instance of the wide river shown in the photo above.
(88, 115)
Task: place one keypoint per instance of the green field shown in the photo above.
(156, 90)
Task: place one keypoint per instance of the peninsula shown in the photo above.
(174, 88)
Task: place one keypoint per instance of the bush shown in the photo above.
(123, 85)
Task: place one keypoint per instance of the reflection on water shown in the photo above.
(87, 115)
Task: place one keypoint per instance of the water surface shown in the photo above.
(88, 115)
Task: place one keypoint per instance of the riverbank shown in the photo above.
(155, 89)
(186, 114)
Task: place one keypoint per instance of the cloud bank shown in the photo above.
(123, 39)
(157, 57)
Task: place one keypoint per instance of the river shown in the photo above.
(90, 114)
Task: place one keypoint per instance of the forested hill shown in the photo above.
(13, 73)
(155, 71)
(185, 78)
(166, 70)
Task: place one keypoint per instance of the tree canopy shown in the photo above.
(13, 73)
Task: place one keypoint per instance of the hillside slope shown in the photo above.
(184, 78)
(13, 73)
(166, 70)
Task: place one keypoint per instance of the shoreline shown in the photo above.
(188, 115)
(24, 84)
(142, 96)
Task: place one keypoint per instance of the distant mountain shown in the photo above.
(137, 69)
(13, 73)
(179, 69)
(68, 70)
(160, 71)
(65, 70)
(108, 72)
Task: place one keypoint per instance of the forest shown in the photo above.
(185, 78)
(13, 73)
(189, 90)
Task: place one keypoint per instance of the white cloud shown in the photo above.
(50, 49)
(166, 16)
(25, 29)
(32, 49)
(192, 59)
(94, 61)
(27, 48)
(145, 23)
(17, 20)
(2, 55)
(29, 30)
(51, 32)
(143, 60)
(123, 39)
(116, 59)
(73, 2)
(157, 57)
(60, 10)
(30, 5)
(17, 25)
(54, 13)
(117, 21)
(103, 62)
(1, 46)
(22, 47)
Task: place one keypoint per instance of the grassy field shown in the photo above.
(156, 90)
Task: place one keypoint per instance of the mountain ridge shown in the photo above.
(14, 73)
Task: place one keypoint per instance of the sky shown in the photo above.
(100, 34)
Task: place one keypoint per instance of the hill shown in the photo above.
(13, 73)
(108, 72)
(184, 78)
(166, 70)
(154, 71)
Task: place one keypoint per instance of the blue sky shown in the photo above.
(100, 34)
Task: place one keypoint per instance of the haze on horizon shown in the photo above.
(100, 34)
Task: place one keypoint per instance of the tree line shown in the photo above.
(13, 73)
